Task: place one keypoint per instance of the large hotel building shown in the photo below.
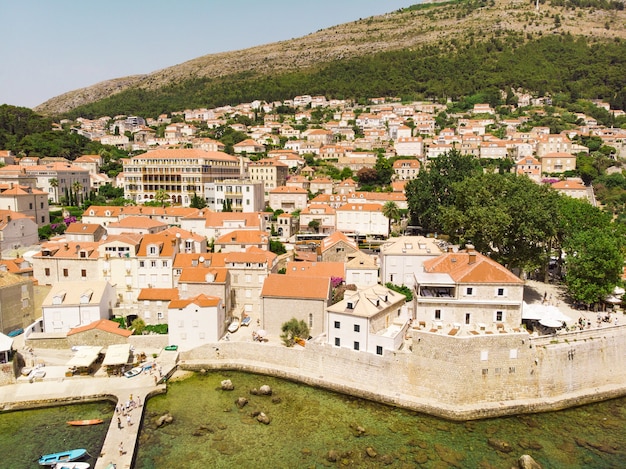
(180, 173)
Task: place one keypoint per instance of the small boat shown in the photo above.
(79, 423)
(246, 321)
(234, 325)
(64, 456)
(133, 371)
(72, 465)
(172, 347)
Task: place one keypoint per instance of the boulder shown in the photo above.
(227, 385)
(371, 452)
(500, 445)
(264, 419)
(265, 390)
(241, 402)
(332, 456)
(163, 419)
(527, 462)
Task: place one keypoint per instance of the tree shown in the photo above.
(294, 330)
(161, 197)
(277, 247)
(77, 188)
(392, 212)
(430, 191)
(197, 202)
(54, 183)
(138, 325)
(510, 218)
(315, 225)
(593, 265)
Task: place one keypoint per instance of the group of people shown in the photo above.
(125, 408)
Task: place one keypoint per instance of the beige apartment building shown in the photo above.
(180, 173)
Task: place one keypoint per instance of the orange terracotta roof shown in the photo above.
(316, 269)
(481, 270)
(183, 259)
(164, 241)
(244, 237)
(158, 294)
(198, 274)
(292, 286)
(137, 222)
(102, 325)
(335, 238)
(186, 153)
(288, 190)
(75, 228)
(201, 300)
(258, 256)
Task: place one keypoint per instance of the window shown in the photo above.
(437, 314)
(194, 323)
(379, 350)
(83, 273)
(484, 355)
(500, 292)
(485, 371)
(469, 291)
(337, 325)
(47, 271)
(142, 263)
(356, 345)
(65, 273)
(165, 263)
(337, 342)
(513, 353)
(467, 318)
(357, 328)
(499, 316)
(310, 320)
(30, 205)
(511, 369)
(153, 264)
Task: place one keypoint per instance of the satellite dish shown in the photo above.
(178, 235)
(201, 259)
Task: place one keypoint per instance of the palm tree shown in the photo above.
(54, 183)
(392, 212)
(77, 187)
(161, 196)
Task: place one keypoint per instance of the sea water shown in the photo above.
(313, 428)
(26, 435)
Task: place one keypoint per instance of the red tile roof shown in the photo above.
(102, 325)
(292, 286)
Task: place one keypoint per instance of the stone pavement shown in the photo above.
(55, 388)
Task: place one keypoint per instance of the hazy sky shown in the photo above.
(51, 47)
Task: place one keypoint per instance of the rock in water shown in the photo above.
(500, 445)
(371, 452)
(527, 462)
(227, 385)
(241, 402)
(264, 419)
(163, 419)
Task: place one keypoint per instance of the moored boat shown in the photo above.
(63, 456)
(78, 423)
(72, 465)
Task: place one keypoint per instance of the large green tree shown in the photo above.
(430, 191)
(508, 217)
(593, 265)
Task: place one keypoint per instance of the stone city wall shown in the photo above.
(459, 378)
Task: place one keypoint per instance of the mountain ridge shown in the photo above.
(410, 27)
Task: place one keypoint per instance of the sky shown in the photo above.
(51, 47)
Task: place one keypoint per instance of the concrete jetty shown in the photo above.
(57, 389)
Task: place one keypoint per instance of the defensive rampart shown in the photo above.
(459, 378)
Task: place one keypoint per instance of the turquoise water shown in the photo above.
(307, 424)
(27, 434)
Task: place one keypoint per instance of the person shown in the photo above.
(119, 423)
(121, 448)
(128, 422)
(616, 320)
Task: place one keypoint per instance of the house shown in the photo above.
(321, 186)
(556, 163)
(241, 240)
(90, 232)
(401, 257)
(60, 261)
(530, 166)
(318, 217)
(17, 230)
(336, 247)
(152, 305)
(196, 274)
(196, 321)
(307, 269)
(406, 169)
(27, 201)
(284, 297)
(347, 186)
(18, 266)
(362, 219)
(17, 301)
(271, 172)
(409, 146)
(465, 289)
(369, 320)
(288, 199)
(248, 146)
(137, 225)
(241, 195)
(361, 270)
(573, 187)
(285, 226)
(213, 225)
(71, 304)
(97, 334)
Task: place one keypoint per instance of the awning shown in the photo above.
(84, 357)
(547, 322)
(540, 312)
(117, 354)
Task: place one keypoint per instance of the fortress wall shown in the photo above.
(454, 377)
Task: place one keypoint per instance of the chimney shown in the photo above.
(471, 253)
